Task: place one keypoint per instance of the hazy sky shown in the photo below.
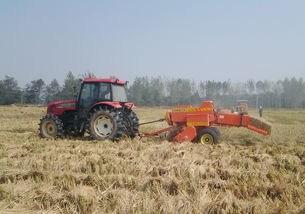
(200, 40)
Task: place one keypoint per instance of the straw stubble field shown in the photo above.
(245, 173)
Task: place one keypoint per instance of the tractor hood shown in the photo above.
(61, 106)
(58, 108)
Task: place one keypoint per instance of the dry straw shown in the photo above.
(245, 173)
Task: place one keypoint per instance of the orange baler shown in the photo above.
(189, 123)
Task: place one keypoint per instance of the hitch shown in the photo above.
(154, 121)
(154, 133)
(157, 132)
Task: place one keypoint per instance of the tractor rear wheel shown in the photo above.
(106, 124)
(131, 123)
(208, 136)
(50, 126)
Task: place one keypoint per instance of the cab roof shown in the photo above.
(110, 80)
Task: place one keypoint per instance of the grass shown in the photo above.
(245, 173)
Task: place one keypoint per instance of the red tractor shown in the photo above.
(101, 109)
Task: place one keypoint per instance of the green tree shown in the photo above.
(52, 92)
(71, 85)
(179, 92)
(213, 89)
(137, 92)
(9, 91)
(293, 93)
(33, 93)
(155, 96)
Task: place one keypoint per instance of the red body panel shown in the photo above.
(180, 114)
(198, 120)
(253, 128)
(229, 119)
(245, 120)
(188, 134)
(130, 105)
(58, 108)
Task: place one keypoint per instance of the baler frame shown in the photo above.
(194, 122)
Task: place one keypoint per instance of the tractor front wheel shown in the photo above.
(208, 136)
(106, 124)
(50, 126)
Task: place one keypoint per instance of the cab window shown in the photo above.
(87, 95)
(105, 91)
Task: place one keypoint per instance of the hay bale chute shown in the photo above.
(257, 123)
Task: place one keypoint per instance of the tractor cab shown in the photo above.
(100, 91)
(93, 90)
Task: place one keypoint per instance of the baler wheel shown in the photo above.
(106, 124)
(208, 136)
(50, 126)
(216, 130)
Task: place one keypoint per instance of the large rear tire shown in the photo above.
(106, 124)
(131, 123)
(50, 127)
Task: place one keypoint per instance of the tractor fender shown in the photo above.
(115, 105)
(112, 104)
(130, 105)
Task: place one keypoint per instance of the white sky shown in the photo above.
(199, 40)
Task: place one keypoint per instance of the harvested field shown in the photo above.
(245, 173)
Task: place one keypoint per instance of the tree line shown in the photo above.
(158, 91)
(287, 93)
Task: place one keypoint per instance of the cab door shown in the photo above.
(87, 97)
